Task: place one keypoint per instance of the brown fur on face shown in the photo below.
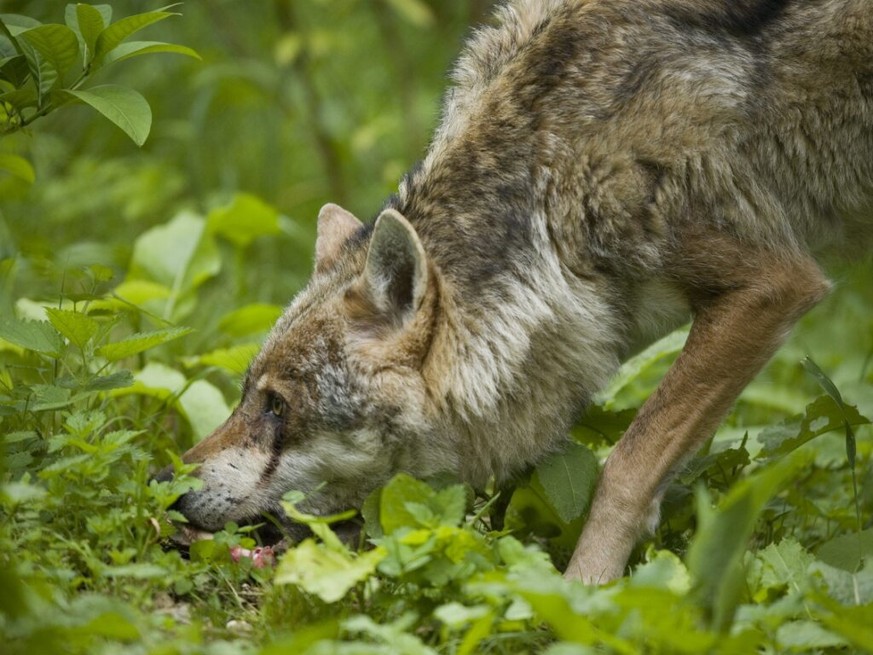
(603, 170)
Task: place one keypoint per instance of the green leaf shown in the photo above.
(117, 380)
(250, 319)
(13, 69)
(823, 380)
(450, 505)
(324, 572)
(179, 255)
(848, 551)
(139, 342)
(668, 346)
(393, 510)
(235, 359)
(110, 625)
(47, 397)
(77, 327)
(716, 552)
(823, 415)
(42, 71)
(137, 48)
(855, 624)
(778, 567)
(57, 46)
(121, 105)
(598, 425)
(87, 21)
(38, 336)
(15, 24)
(138, 571)
(569, 479)
(17, 167)
(243, 220)
(204, 406)
(806, 637)
(114, 34)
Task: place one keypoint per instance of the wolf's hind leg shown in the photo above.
(742, 314)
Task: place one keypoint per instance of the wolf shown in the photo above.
(603, 171)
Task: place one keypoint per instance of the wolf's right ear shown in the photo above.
(335, 227)
(396, 269)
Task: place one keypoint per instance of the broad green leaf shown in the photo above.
(668, 346)
(716, 552)
(111, 625)
(664, 570)
(401, 490)
(326, 573)
(42, 71)
(15, 24)
(456, 616)
(569, 478)
(179, 255)
(821, 416)
(235, 359)
(139, 571)
(304, 639)
(250, 319)
(200, 402)
(137, 48)
(141, 292)
(114, 34)
(599, 425)
(139, 342)
(117, 380)
(38, 336)
(823, 380)
(56, 44)
(450, 505)
(47, 397)
(806, 636)
(845, 587)
(17, 167)
(121, 105)
(392, 638)
(848, 551)
(243, 220)
(777, 567)
(14, 601)
(15, 493)
(15, 71)
(87, 21)
(204, 406)
(855, 624)
(320, 525)
(77, 327)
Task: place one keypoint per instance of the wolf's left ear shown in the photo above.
(396, 270)
(335, 227)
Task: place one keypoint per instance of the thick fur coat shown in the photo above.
(604, 170)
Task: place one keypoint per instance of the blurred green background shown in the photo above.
(296, 102)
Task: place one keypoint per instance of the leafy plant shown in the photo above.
(46, 66)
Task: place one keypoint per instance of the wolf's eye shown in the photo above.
(277, 405)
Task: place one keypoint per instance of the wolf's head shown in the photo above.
(335, 402)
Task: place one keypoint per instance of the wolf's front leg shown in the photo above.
(741, 317)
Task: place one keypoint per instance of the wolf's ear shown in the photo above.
(396, 270)
(335, 226)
